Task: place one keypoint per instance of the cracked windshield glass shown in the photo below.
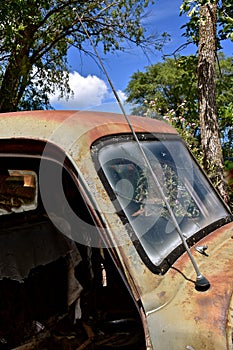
(177, 180)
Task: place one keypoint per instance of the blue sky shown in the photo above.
(88, 82)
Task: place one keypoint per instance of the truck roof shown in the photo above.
(62, 126)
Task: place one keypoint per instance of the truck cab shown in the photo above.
(109, 241)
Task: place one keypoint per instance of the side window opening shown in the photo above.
(18, 190)
(56, 292)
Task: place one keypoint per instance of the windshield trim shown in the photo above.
(191, 240)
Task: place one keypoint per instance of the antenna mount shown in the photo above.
(202, 284)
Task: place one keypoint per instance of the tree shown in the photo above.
(168, 90)
(224, 84)
(207, 106)
(35, 37)
(204, 14)
(224, 20)
(166, 86)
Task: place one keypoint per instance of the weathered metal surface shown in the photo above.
(64, 127)
(74, 132)
(189, 319)
(178, 316)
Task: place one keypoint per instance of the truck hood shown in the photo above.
(190, 319)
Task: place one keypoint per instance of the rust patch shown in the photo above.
(161, 294)
(96, 124)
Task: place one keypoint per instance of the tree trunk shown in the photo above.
(9, 98)
(210, 137)
(18, 68)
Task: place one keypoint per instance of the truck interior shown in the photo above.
(55, 292)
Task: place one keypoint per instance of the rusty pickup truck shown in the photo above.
(109, 241)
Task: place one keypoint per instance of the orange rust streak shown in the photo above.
(93, 119)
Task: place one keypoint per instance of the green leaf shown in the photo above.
(40, 34)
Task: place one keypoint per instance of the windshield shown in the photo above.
(142, 200)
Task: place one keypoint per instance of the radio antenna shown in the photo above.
(201, 284)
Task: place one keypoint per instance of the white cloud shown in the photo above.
(87, 92)
(121, 95)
